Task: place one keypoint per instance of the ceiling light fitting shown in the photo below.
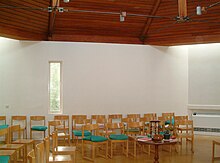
(122, 16)
(66, 1)
(198, 10)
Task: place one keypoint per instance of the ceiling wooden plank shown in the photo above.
(95, 38)
(20, 34)
(149, 21)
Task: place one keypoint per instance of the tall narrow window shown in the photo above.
(55, 85)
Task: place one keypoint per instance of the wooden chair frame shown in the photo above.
(40, 119)
(22, 119)
(62, 135)
(65, 123)
(120, 127)
(214, 144)
(93, 129)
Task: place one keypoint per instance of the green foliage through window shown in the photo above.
(55, 87)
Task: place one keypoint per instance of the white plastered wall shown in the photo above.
(97, 78)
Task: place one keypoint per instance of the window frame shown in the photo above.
(61, 89)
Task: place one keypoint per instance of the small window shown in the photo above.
(55, 87)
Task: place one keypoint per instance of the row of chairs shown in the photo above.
(37, 123)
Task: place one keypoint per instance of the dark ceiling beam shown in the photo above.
(182, 8)
(95, 38)
(149, 21)
(52, 16)
(19, 34)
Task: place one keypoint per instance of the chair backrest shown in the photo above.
(14, 129)
(22, 120)
(152, 116)
(64, 119)
(93, 128)
(53, 125)
(112, 118)
(3, 118)
(115, 127)
(135, 117)
(37, 119)
(5, 134)
(181, 117)
(135, 125)
(168, 116)
(31, 157)
(186, 124)
(47, 148)
(40, 153)
(78, 121)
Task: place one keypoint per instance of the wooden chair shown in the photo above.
(135, 117)
(3, 122)
(62, 135)
(214, 144)
(54, 158)
(185, 130)
(22, 121)
(37, 124)
(119, 137)
(40, 153)
(95, 117)
(152, 116)
(115, 118)
(134, 129)
(65, 123)
(62, 150)
(16, 147)
(95, 141)
(31, 157)
(77, 122)
(26, 142)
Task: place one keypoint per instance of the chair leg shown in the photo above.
(111, 148)
(127, 148)
(30, 134)
(93, 152)
(106, 152)
(213, 151)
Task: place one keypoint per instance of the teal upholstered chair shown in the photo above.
(37, 124)
(77, 122)
(93, 140)
(3, 122)
(117, 136)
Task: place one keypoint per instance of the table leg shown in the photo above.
(156, 156)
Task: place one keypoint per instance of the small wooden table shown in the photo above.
(156, 144)
(10, 153)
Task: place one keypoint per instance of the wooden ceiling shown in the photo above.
(98, 21)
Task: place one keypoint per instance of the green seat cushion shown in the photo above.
(168, 122)
(95, 138)
(79, 133)
(118, 137)
(39, 128)
(3, 126)
(133, 130)
(4, 159)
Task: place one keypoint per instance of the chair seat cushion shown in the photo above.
(133, 130)
(39, 128)
(4, 159)
(79, 133)
(95, 138)
(168, 122)
(118, 137)
(3, 126)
